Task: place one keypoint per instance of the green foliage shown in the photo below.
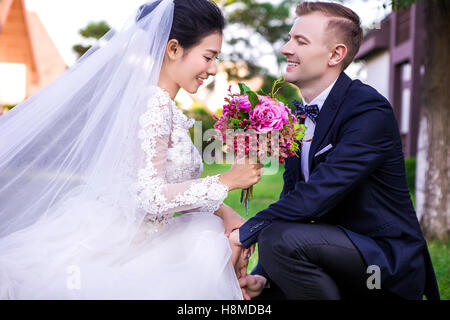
(440, 257)
(199, 110)
(92, 32)
(267, 19)
(9, 106)
(80, 49)
(95, 30)
(252, 96)
(300, 134)
(401, 4)
(410, 166)
(200, 113)
(287, 92)
(265, 192)
(264, 23)
(276, 88)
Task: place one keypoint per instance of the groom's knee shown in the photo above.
(283, 239)
(274, 241)
(270, 235)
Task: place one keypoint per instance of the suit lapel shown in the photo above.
(328, 114)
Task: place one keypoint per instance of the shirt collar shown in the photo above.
(320, 99)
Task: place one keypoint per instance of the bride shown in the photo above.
(94, 166)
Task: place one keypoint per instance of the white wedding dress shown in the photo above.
(184, 257)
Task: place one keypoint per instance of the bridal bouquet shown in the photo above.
(258, 127)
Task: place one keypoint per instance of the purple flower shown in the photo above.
(269, 115)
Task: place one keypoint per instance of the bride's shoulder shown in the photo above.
(163, 108)
(159, 98)
(159, 113)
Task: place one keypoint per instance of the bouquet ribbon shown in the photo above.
(246, 196)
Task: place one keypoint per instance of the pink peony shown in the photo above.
(242, 103)
(269, 115)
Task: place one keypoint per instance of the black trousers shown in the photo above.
(312, 261)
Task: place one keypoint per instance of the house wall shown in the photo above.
(375, 72)
(13, 83)
(407, 52)
(396, 53)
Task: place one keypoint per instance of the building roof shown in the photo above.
(4, 9)
(375, 40)
(47, 62)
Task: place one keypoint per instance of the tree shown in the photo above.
(93, 32)
(257, 30)
(433, 158)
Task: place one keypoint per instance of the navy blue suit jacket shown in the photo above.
(360, 186)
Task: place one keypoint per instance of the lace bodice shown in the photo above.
(169, 179)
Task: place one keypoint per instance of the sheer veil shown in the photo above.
(74, 146)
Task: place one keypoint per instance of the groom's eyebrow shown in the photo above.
(300, 36)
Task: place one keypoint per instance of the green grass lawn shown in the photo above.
(268, 191)
(440, 255)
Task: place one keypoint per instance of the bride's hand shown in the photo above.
(236, 252)
(240, 256)
(239, 259)
(242, 263)
(231, 219)
(242, 175)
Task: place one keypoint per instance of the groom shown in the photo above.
(344, 226)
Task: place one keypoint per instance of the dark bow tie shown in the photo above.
(311, 111)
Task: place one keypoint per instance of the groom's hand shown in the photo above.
(252, 285)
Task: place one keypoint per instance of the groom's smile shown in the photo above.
(307, 50)
(292, 65)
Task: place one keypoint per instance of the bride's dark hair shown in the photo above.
(192, 20)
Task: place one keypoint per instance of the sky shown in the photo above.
(64, 18)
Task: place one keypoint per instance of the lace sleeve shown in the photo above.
(155, 195)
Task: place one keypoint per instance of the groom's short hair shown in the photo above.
(344, 21)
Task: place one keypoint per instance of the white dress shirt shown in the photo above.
(310, 126)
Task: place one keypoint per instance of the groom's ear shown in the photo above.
(337, 55)
(174, 50)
